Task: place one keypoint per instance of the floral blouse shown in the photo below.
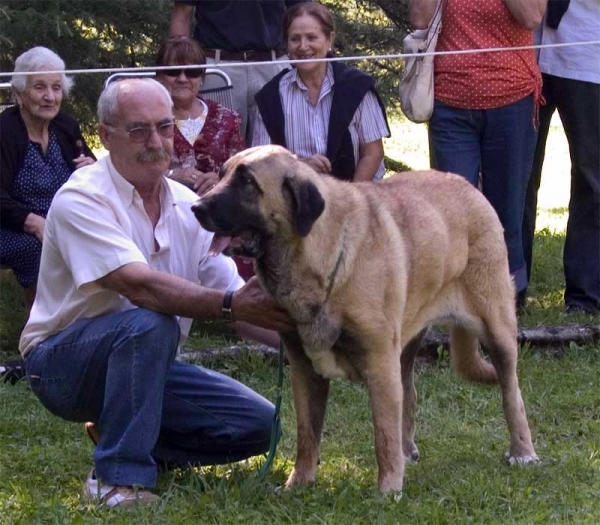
(218, 140)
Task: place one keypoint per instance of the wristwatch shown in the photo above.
(226, 311)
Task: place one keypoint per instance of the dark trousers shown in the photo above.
(494, 147)
(578, 104)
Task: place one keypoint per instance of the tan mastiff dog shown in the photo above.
(363, 269)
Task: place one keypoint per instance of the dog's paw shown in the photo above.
(521, 460)
(393, 496)
(390, 484)
(298, 478)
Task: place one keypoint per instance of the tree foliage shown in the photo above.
(373, 27)
(87, 35)
(110, 34)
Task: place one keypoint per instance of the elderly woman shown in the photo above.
(39, 148)
(328, 114)
(206, 133)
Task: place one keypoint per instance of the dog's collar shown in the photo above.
(331, 277)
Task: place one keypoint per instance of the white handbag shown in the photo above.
(416, 85)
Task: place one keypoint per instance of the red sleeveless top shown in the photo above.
(484, 80)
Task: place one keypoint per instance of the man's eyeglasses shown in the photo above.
(141, 134)
(190, 73)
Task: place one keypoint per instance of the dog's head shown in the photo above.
(264, 193)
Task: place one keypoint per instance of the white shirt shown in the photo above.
(581, 23)
(96, 224)
(307, 125)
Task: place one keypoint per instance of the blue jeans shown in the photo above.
(119, 371)
(498, 145)
(578, 104)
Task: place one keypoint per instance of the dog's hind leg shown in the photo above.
(383, 381)
(501, 342)
(310, 392)
(409, 398)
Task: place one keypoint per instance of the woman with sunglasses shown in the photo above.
(206, 133)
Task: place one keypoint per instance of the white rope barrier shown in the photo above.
(332, 59)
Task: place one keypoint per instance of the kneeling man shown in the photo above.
(124, 270)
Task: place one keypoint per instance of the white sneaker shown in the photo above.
(115, 496)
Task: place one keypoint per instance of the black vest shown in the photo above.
(349, 88)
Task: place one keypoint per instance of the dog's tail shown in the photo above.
(466, 358)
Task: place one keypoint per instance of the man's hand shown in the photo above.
(253, 305)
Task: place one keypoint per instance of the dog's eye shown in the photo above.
(245, 181)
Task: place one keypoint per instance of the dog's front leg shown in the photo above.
(385, 391)
(310, 392)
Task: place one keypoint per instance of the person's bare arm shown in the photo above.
(421, 12)
(370, 157)
(34, 224)
(173, 295)
(181, 20)
(528, 13)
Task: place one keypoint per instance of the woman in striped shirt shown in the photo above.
(328, 114)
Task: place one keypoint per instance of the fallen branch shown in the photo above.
(542, 337)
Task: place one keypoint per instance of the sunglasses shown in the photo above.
(190, 73)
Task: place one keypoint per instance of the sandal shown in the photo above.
(12, 371)
(115, 496)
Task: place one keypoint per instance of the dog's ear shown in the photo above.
(306, 203)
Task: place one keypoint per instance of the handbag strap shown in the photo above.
(435, 26)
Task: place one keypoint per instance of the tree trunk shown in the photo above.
(545, 338)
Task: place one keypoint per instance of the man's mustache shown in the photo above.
(152, 155)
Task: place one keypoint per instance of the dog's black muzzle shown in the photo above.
(201, 209)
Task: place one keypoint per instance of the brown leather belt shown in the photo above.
(244, 56)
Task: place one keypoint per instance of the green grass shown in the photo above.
(461, 434)
(461, 477)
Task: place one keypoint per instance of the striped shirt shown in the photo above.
(306, 126)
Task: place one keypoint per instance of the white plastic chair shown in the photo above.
(222, 94)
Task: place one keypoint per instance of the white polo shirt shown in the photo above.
(96, 224)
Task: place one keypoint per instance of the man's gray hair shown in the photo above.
(108, 103)
(39, 59)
